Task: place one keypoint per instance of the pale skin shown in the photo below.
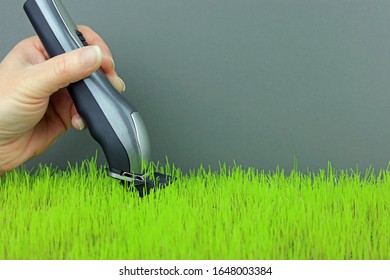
(35, 107)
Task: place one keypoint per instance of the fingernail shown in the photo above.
(123, 84)
(91, 56)
(80, 124)
(113, 63)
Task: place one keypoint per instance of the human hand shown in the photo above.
(35, 107)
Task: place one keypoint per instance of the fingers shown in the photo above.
(64, 68)
(108, 65)
(77, 121)
(94, 39)
(43, 76)
(58, 72)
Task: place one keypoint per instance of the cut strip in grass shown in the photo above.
(231, 214)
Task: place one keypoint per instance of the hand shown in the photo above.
(35, 109)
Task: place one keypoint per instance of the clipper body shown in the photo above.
(114, 123)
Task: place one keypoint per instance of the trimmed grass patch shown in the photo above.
(231, 214)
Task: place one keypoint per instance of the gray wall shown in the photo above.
(254, 81)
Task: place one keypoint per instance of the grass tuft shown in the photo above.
(234, 213)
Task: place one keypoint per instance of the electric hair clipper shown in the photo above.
(112, 121)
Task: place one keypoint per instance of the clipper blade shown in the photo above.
(157, 181)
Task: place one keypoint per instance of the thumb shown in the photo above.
(59, 71)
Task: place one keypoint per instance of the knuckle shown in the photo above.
(60, 66)
(84, 27)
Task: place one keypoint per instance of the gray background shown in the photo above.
(258, 82)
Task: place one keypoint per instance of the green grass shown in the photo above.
(231, 214)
